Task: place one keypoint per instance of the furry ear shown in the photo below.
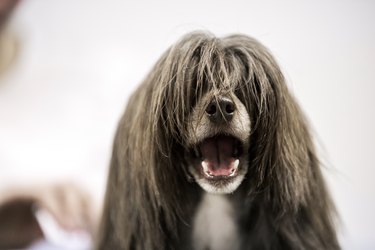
(283, 164)
(146, 179)
(131, 203)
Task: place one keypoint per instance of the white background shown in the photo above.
(80, 60)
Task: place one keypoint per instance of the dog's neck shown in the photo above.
(215, 223)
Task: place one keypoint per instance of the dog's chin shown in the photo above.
(218, 164)
(221, 186)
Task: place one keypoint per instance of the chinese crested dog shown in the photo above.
(213, 152)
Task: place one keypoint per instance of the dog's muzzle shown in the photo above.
(218, 139)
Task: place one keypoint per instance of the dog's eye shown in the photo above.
(239, 92)
(198, 89)
(245, 93)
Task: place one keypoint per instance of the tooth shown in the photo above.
(205, 169)
(205, 166)
(235, 164)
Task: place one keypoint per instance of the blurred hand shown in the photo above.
(69, 205)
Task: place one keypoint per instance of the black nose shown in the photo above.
(220, 110)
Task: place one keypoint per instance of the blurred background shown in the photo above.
(75, 63)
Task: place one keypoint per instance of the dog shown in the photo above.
(213, 152)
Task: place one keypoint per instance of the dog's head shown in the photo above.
(219, 102)
(216, 111)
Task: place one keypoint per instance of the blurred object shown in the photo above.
(48, 216)
(8, 51)
(59, 237)
(64, 208)
(70, 206)
(18, 226)
(8, 43)
(6, 8)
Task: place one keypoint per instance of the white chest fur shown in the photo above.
(214, 224)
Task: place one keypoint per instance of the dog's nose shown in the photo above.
(220, 110)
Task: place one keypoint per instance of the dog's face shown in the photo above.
(218, 139)
(216, 100)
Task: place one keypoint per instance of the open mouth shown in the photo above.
(219, 157)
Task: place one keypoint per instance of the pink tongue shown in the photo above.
(217, 153)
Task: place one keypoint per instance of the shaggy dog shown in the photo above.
(214, 153)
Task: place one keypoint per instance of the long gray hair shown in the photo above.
(147, 178)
